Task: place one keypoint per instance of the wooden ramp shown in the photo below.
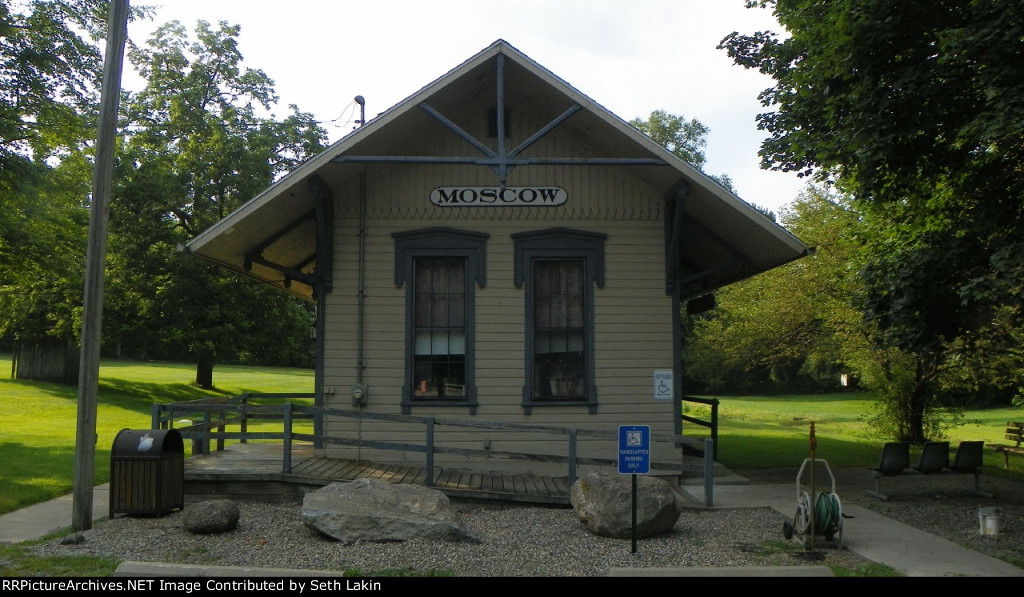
(256, 470)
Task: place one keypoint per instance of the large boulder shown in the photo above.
(369, 510)
(604, 504)
(211, 516)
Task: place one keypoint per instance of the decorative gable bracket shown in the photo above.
(502, 161)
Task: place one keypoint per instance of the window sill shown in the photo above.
(528, 404)
(432, 401)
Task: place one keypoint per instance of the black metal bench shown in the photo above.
(895, 460)
(1014, 433)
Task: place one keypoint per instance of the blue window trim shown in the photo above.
(560, 243)
(436, 243)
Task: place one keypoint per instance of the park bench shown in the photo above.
(895, 461)
(1014, 431)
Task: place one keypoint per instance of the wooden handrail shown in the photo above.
(712, 424)
(217, 414)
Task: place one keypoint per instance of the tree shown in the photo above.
(790, 328)
(42, 269)
(202, 141)
(797, 327)
(49, 75)
(914, 108)
(685, 138)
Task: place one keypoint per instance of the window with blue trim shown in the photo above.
(439, 327)
(559, 268)
(440, 268)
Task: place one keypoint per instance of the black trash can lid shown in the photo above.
(147, 442)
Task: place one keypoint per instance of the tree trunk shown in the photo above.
(204, 372)
(915, 414)
(920, 401)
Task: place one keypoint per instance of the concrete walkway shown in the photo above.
(39, 520)
(878, 538)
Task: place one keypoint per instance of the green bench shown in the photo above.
(1014, 432)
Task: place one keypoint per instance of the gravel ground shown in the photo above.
(518, 540)
(514, 541)
(944, 505)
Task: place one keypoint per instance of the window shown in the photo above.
(440, 268)
(559, 268)
(439, 328)
(558, 329)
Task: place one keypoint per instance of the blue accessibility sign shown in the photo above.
(634, 449)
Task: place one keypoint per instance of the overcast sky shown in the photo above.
(632, 57)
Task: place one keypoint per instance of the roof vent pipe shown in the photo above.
(362, 110)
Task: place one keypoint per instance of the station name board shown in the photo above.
(498, 196)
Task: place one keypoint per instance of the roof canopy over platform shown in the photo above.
(715, 237)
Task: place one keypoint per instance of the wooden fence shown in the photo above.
(211, 420)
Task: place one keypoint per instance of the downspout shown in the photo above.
(361, 292)
(359, 393)
(359, 388)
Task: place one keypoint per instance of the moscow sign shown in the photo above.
(503, 196)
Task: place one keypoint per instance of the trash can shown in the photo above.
(147, 472)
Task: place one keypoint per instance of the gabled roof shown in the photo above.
(717, 238)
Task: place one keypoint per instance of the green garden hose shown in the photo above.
(827, 513)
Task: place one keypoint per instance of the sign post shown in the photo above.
(634, 458)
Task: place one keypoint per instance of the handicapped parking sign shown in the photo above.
(634, 449)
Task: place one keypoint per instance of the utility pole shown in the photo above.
(96, 257)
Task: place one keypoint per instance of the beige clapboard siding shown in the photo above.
(632, 314)
(397, 197)
(633, 319)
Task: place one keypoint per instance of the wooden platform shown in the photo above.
(255, 469)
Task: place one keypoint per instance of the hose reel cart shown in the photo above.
(821, 518)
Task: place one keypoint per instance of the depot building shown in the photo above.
(498, 248)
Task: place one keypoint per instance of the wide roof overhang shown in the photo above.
(715, 237)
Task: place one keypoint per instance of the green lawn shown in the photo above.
(40, 420)
(38, 429)
(769, 431)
